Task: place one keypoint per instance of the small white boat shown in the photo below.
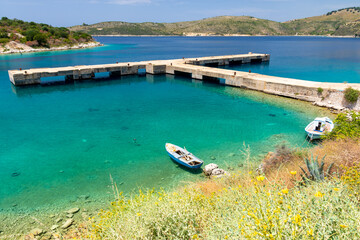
(182, 156)
(319, 127)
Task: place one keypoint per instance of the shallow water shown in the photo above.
(60, 142)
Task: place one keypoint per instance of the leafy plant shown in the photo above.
(315, 170)
(347, 125)
(351, 95)
(320, 90)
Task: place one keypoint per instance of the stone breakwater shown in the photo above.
(15, 47)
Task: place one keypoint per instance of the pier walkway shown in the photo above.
(34, 76)
(321, 93)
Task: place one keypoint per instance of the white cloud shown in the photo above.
(128, 2)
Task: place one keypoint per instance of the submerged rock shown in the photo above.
(36, 231)
(212, 157)
(73, 210)
(58, 220)
(53, 227)
(15, 174)
(67, 224)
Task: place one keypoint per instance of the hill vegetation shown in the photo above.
(336, 23)
(37, 35)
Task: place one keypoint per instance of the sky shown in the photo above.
(74, 12)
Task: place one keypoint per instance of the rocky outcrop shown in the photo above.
(16, 47)
(213, 170)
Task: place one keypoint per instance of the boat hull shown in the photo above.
(314, 136)
(183, 163)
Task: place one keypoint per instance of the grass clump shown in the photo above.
(351, 95)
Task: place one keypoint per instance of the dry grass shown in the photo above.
(343, 153)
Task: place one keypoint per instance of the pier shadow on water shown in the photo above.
(63, 86)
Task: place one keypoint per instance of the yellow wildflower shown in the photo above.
(343, 226)
(336, 189)
(319, 194)
(139, 214)
(293, 172)
(285, 191)
(260, 178)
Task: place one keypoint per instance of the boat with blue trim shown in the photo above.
(183, 157)
(319, 127)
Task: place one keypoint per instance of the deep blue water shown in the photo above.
(59, 142)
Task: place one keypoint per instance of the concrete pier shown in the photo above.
(320, 93)
(34, 76)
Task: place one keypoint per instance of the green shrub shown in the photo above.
(351, 95)
(41, 38)
(4, 40)
(320, 90)
(3, 33)
(347, 125)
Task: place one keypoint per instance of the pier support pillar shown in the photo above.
(169, 70)
(246, 60)
(196, 75)
(128, 70)
(266, 58)
(87, 76)
(25, 79)
(224, 62)
(155, 69)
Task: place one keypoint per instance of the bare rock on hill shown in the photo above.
(16, 46)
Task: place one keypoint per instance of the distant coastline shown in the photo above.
(226, 35)
(16, 48)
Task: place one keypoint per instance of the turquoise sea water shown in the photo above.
(61, 141)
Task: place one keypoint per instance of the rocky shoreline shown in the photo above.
(15, 47)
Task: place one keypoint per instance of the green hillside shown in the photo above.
(39, 34)
(338, 23)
